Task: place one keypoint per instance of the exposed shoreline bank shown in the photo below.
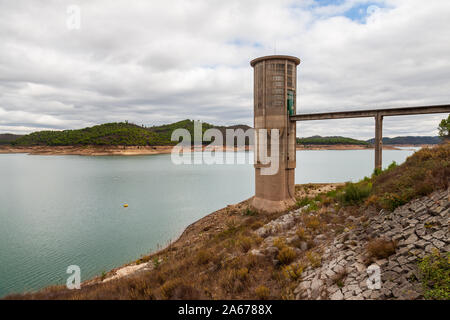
(91, 150)
(193, 235)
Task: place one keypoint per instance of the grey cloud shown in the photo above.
(158, 62)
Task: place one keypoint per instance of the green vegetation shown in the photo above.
(121, 133)
(435, 276)
(164, 132)
(110, 134)
(318, 140)
(423, 172)
(444, 128)
(307, 202)
(8, 138)
(409, 140)
(354, 193)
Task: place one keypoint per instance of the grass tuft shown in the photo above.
(381, 248)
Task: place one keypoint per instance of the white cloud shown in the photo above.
(154, 62)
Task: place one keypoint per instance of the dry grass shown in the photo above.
(286, 255)
(262, 292)
(302, 234)
(293, 271)
(339, 278)
(314, 259)
(381, 248)
(425, 171)
(312, 222)
(245, 243)
(204, 256)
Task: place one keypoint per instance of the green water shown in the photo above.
(57, 211)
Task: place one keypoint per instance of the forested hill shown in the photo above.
(318, 140)
(410, 140)
(7, 138)
(119, 133)
(128, 134)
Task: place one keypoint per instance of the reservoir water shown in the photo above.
(57, 211)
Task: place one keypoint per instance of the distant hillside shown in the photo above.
(318, 140)
(410, 140)
(7, 138)
(121, 133)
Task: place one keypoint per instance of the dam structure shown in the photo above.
(275, 107)
(275, 84)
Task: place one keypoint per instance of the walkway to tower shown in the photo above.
(378, 115)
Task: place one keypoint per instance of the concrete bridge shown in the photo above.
(275, 86)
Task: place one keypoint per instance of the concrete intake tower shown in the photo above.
(275, 86)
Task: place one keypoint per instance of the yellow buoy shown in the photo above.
(125, 205)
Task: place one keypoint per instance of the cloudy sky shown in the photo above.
(155, 62)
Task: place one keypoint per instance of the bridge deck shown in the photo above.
(372, 113)
(378, 114)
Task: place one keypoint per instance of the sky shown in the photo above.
(72, 64)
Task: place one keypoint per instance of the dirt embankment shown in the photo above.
(341, 147)
(148, 150)
(96, 150)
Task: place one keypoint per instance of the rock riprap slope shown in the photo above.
(336, 267)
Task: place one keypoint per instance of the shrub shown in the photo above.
(314, 259)
(354, 193)
(301, 233)
(245, 243)
(391, 201)
(293, 272)
(242, 274)
(256, 225)
(286, 255)
(262, 292)
(435, 276)
(203, 256)
(280, 243)
(156, 262)
(250, 213)
(381, 248)
(312, 223)
(168, 288)
(307, 202)
(234, 279)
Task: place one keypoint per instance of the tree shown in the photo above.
(444, 128)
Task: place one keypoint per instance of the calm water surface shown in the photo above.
(57, 211)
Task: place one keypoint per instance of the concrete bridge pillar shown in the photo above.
(378, 141)
(275, 86)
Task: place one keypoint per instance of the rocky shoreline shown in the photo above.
(417, 228)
